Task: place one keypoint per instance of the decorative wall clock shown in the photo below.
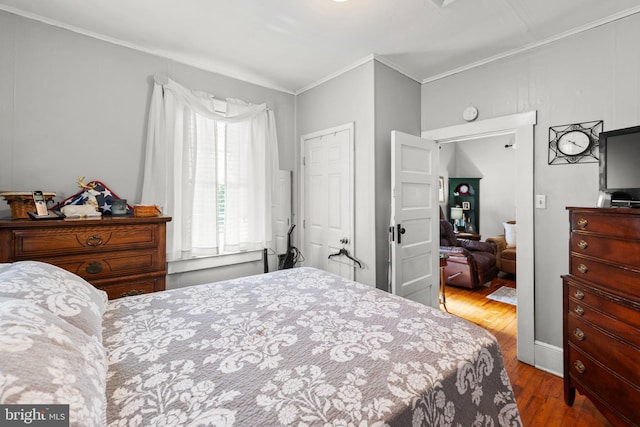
(462, 189)
(575, 143)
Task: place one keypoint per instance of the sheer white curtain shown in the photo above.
(181, 170)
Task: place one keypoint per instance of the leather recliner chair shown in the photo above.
(471, 263)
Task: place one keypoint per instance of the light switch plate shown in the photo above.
(541, 201)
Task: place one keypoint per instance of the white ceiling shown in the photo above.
(292, 45)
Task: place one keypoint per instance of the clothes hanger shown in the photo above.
(346, 253)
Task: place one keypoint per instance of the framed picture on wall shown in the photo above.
(441, 189)
(466, 206)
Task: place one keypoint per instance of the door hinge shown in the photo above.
(304, 161)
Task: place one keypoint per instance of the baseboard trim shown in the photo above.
(548, 358)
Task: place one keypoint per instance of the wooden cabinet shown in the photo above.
(120, 255)
(601, 301)
(465, 193)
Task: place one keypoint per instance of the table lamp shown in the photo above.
(457, 218)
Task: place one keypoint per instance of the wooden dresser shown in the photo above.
(120, 255)
(601, 301)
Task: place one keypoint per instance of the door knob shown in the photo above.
(344, 240)
(401, 231)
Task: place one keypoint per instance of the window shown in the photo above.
(212, 165)
(210, 181)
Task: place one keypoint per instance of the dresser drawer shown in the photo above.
(623, 281)
(618, 251)
(133, 286)
(618, 395)
(31, 243)
(621, 321)
(625, 226)
(618, 355)
(110, 264)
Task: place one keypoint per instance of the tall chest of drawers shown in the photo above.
(601, 300)
(120, 255)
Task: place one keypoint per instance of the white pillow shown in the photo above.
(66, 295)
(46, 360)
(510, 234)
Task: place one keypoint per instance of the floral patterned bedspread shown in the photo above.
(299, 347)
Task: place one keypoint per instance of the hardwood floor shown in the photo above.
(538, 393)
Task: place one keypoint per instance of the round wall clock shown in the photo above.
(470, 114)
(462, 189)
(575, 143)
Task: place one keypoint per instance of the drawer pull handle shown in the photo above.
(94, 240)
(582, 223)
(132, 293)
(583, 245)
(583, 269)
(579, 294)
(579, 334)
(579, 310)
(94, 267)
(579, 366)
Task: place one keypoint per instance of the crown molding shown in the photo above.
(336, 74)
(577, 30)
(257, 80)
(202, 65)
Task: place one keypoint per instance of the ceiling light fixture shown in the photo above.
(442, 3)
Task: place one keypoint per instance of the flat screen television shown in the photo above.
(620, 166)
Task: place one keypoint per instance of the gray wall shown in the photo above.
(345, 99)
(72, 106)
(378, 100)
(397, 107)
(594, 75)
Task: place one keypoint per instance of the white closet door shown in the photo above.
(328, 200)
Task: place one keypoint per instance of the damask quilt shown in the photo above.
(298, 347)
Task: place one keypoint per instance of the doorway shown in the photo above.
(327, 189)
(492, 161)
(521, 126)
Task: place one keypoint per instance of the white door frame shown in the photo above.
(520, 125)
(340, 128)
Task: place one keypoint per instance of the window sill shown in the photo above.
(202, 263)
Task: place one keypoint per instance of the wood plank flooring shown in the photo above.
(539, 394)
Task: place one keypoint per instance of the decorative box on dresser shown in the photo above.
(601, 300)
(120, 255)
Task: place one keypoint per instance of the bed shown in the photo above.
(293, 347)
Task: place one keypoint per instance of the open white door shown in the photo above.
(415, 262)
